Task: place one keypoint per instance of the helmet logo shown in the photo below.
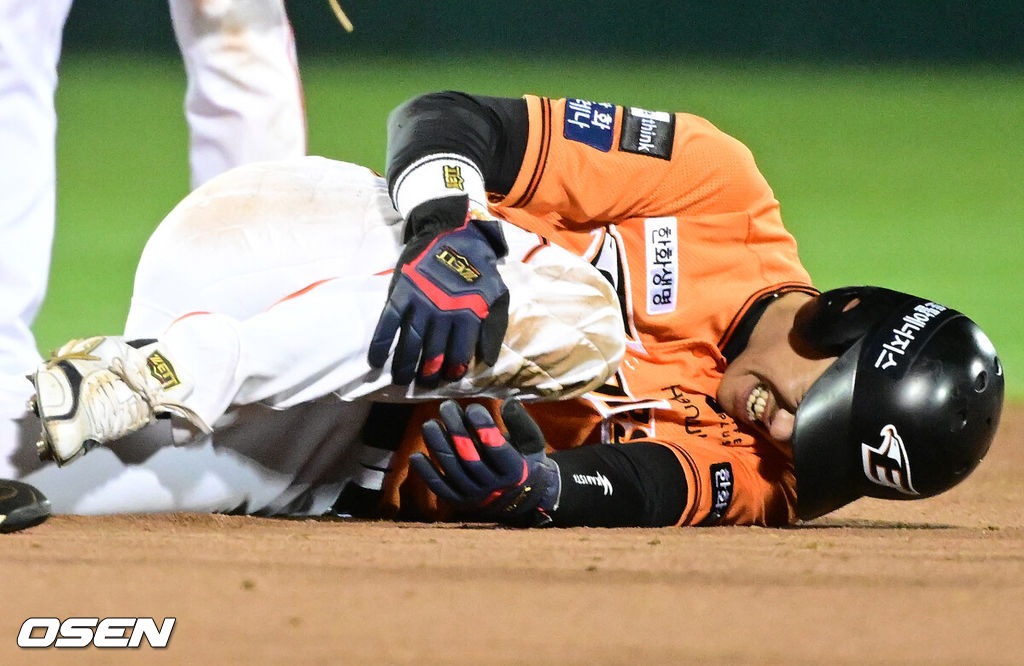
(887, 464)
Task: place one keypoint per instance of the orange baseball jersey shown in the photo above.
(677, 216)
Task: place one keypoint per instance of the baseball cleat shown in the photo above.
(97, 390)
(21, 506)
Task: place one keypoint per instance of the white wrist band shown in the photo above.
(437, 176)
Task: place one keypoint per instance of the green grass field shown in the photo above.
(906, 177)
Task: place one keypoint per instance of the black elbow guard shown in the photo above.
(632, 484)
(489, 131)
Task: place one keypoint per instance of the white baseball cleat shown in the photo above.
(97, 390)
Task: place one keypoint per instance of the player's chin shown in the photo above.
(781, 429)
(732, 396)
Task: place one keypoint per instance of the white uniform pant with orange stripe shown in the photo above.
(265, 286)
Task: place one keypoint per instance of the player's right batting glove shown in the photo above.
(446, 299)
(486, 473)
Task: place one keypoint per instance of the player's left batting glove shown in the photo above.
(446, 299)
(506, 478)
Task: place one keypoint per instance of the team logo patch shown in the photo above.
(887, 464)
(453, 179)
(162, 370)
(591, 123)
(458, 264)
(721, 492)
(648, 133)
(662, 264)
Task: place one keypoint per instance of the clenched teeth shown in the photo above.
(756, 402)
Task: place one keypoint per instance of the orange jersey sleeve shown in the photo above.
(671, 209)
(667, 164)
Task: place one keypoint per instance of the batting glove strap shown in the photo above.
(438, 176)
(532, 503)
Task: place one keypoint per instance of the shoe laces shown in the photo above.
(58, 355)
(112, 414)
(136, 377)
(115, 408)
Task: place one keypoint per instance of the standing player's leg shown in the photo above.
(244, 98)
(30, 40)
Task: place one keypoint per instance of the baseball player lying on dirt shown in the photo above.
(621, 277)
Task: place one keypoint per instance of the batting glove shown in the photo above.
(481, 471)
(446, 298)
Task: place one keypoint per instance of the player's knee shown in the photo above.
(569, 324)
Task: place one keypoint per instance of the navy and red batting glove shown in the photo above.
(480, 470)
(446, 300)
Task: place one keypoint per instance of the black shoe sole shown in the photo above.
(21, 506)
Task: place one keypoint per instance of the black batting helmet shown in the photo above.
(907, 411)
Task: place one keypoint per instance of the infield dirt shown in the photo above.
(938, 581)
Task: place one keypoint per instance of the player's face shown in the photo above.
(764, 385)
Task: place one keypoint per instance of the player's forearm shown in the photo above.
(634, 484)
(489, 132)
(447, 302)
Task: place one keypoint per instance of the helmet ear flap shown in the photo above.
(833, 321)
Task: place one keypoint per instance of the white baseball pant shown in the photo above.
(265, 286)
(30, 40)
